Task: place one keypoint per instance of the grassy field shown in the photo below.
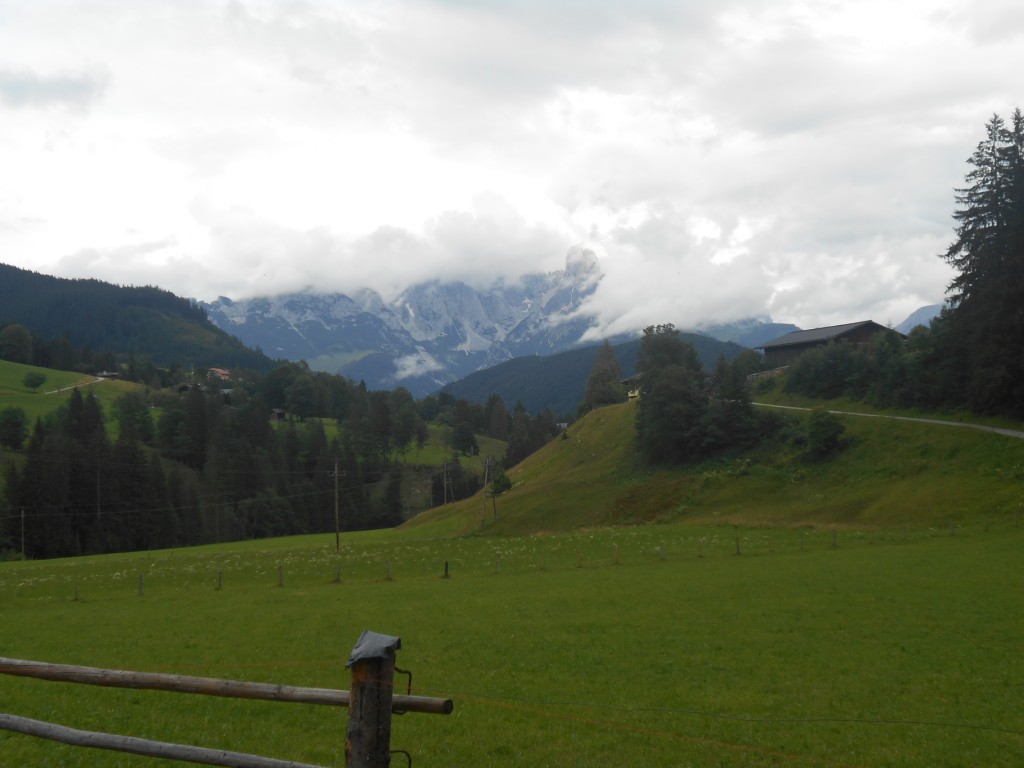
(651, 645)
(761, 609)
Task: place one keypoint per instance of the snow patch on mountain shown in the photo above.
(430, 334)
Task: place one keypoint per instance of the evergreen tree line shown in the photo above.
(524, 433)
(209, 464)
(20, 345)
(889, 371)
(70, 317)
(685, 413)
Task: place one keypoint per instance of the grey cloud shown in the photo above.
(23, 88)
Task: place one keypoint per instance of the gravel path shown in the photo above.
(980, 427)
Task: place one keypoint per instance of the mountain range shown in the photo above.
(436, 333)
(432, 335)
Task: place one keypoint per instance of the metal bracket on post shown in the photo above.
(408, 688)
(368, 739)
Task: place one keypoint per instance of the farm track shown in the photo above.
(980, 427)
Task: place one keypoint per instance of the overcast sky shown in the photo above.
(722, 158)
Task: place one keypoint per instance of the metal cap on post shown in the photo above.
(368, 739)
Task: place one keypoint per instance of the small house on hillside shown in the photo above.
(785, 349)
(632, 386)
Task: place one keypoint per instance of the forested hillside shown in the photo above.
(68, 315)
(557, 382)
(293, 451)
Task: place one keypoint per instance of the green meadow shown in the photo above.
(760, 609)
(648, 645)
(54, 391)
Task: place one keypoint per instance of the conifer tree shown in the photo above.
(987, 294)
(672, 417)
(603, 383)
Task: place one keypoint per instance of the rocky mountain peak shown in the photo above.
(431, 334)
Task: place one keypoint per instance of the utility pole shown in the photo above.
(483, 510)
(337, 513)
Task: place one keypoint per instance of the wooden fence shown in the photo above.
(371, 702)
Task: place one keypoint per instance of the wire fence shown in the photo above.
(648, 552)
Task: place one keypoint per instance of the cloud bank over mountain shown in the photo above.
(794, 159)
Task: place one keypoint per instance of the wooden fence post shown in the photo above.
(368, 739)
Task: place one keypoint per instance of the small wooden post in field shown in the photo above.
(368, 738)
(446, 569)
(220, 580)
(280, 575)
(140, 585)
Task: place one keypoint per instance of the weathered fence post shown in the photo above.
(368, 739)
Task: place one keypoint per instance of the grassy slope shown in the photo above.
(890, 474)
(39, 402)
(51, 395)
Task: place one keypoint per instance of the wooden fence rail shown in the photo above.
(146, 747)
(208, 686)
(367, 745)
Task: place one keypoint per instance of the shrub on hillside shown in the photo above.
(824, 431)
(34, 379)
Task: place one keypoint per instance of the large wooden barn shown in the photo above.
(785, 349)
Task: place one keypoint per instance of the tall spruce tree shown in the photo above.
(672, 417)
(603, 383)
(987, 294)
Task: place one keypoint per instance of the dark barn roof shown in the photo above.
(819, 335)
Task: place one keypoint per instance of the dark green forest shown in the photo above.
(204, 464)
(91, 325)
